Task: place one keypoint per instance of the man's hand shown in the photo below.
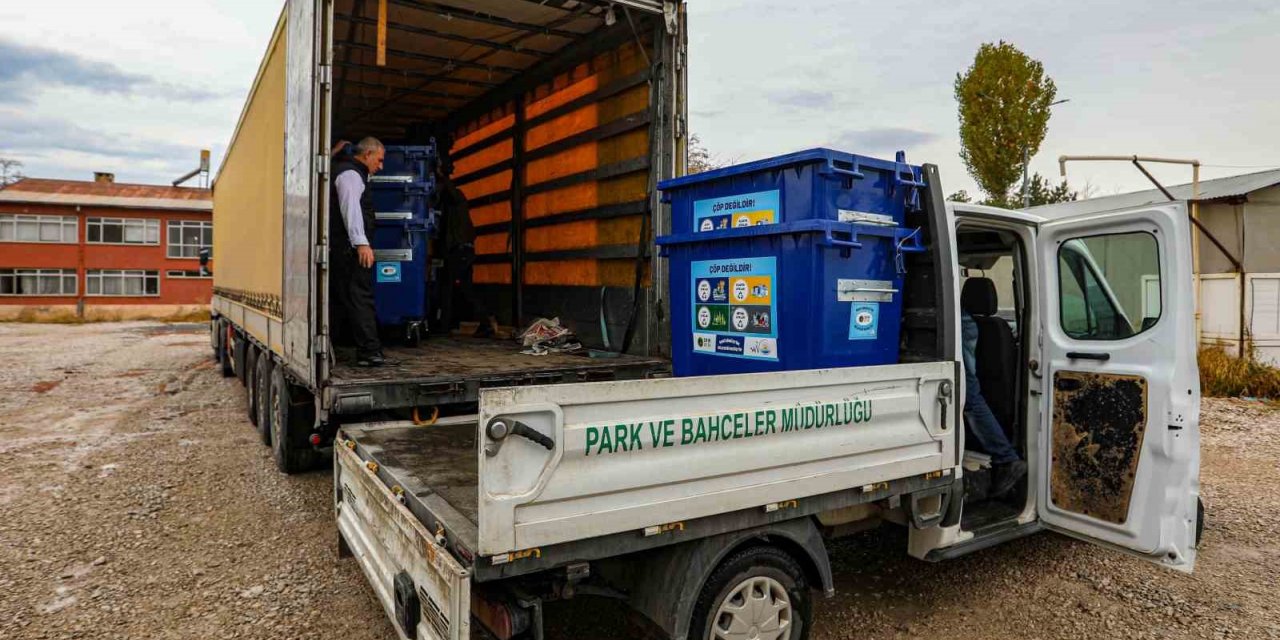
(365, 255)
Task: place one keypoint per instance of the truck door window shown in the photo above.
(1108, 285)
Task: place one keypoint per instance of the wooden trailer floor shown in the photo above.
(452, 358)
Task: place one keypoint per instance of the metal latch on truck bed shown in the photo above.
(500, 428)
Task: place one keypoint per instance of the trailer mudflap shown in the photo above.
(399, 556)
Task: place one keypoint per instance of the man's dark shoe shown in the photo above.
(376, 360)
(1006, 476)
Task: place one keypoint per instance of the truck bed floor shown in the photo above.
(436, 465)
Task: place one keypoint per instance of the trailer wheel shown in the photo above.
(237, 357)
(262, 382)
(225, 350)
(215, 337)
(759, 592)
(251, 382)
(292, 416)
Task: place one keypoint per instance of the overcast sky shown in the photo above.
(128, 87)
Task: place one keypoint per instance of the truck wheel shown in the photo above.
(292, 416)
(759, 592)
(215, 336)
(225, 351)
(262, 382)
(251, 382)
(237, 357)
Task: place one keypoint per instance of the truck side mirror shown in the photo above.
(204, 262)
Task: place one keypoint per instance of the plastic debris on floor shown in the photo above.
(545, 336)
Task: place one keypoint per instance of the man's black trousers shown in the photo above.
(352, 290)
(457, 295)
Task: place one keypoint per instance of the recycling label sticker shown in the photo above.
(387, 271)
(864, 317)
(735, 212)
(735, 309)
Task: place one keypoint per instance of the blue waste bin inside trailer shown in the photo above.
(405, 184)
(411, 163)
(402, 199)
(400, 275)
(786, 296)
(821, 184)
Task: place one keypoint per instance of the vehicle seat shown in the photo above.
(996, 352)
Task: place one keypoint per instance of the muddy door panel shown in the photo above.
(1122, 452)
(609, 457)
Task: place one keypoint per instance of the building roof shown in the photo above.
(107, 194)
(1209, 190)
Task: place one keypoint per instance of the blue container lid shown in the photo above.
(827, 156)
(830, 233)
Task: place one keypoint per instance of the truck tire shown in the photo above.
(767, 576)
(215, 336)
(238, 356)
(262, 382)
(251, 382)
(292, 416)
(225, 351)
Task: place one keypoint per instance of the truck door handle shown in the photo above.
(1084, 355)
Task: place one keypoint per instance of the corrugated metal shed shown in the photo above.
(1209, 190)
(107, 194)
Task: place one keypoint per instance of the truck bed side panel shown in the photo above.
(387, 539)
(630, 455)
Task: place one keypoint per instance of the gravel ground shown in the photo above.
(136, 501)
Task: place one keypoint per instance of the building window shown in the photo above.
(28, 228)
(123, 231)
(189, 273)
(122, 282)
(37, 282)
(188, 237)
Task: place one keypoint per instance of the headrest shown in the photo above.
(978, 297)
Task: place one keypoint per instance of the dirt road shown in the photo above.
(136, 501)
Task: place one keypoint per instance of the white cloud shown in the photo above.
(129, 86)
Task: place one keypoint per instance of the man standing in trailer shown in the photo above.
(351, 219)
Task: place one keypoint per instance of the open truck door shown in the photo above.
(1121, 459)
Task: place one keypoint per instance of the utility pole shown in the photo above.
(1026, 195)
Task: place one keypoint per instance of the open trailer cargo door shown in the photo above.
(306, 167)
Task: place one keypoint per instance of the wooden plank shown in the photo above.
(382, 33)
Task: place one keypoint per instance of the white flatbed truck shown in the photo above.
(703, 502)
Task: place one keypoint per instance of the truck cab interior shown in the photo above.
(994, 295)
(556, 119)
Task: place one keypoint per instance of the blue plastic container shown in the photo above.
(404, 186)
(818, 184)
(400, 275)
(411, 163)
(786, 296)
(402, 200)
